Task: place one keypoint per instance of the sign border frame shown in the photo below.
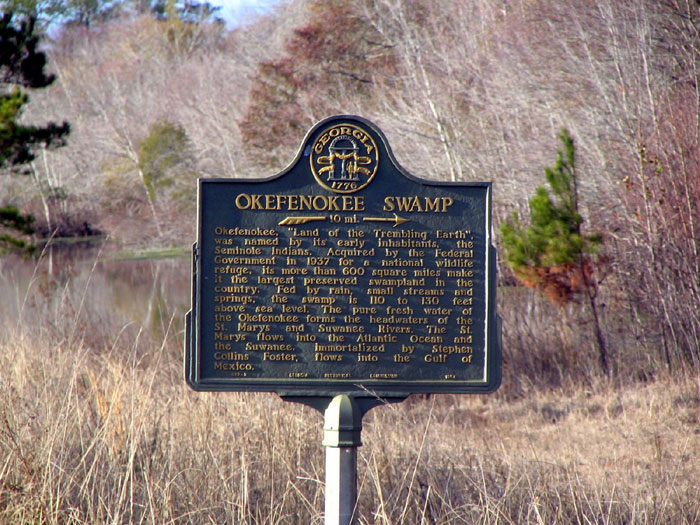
(385, 388)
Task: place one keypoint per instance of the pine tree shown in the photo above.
(551, 254)
(163, 157)
(83, 12)
(21, 65)
(64, 12)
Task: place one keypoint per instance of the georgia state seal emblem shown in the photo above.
(344, 158)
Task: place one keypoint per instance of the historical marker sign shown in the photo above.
(343, 274)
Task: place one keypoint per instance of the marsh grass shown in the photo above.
(97, 426)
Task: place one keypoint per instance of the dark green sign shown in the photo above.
(343, 274)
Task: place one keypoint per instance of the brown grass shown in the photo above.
(112, 437)
(97, 426)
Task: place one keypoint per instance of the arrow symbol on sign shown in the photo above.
(294, 221)
(396, 220)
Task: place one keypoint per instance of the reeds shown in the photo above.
(97, 426)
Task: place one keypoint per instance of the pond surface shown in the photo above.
(83, 291)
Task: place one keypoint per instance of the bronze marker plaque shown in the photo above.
(343, 274)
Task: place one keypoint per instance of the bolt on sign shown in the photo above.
(343, 274)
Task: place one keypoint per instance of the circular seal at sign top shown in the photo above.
(344, 158)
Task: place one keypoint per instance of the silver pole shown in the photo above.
(341, 437)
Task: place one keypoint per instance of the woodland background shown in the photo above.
(465, 91)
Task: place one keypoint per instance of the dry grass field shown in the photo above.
(97, 426)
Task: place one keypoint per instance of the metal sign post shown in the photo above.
(341, 437)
